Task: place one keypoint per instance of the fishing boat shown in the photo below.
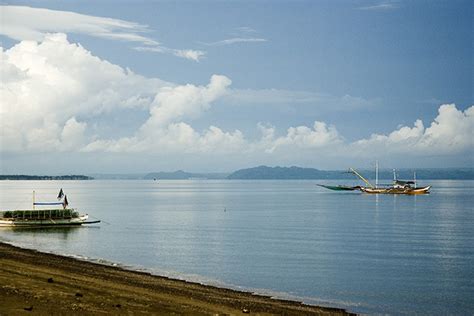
(397, 187)
(50, 217)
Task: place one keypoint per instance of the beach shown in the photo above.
(48, 284)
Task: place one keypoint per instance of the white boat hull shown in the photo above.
(9, 222)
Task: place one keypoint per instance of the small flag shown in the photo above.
(65, 203)
(61, 194)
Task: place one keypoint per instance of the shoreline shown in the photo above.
(52, 284)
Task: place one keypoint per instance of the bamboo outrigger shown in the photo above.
(340, 187)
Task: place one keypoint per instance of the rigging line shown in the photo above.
(100, 220)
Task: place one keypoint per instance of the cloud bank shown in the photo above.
(53, 91)
(26, 23)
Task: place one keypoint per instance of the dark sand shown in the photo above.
(77, 287)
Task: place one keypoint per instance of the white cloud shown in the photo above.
(384, 6)
(320, 135)
(27, 23)
(195, 55)
(50, 89)
(451, 132)
(72, 135)
(174, 138)
(277, 96)
(46, 84)
(155, 49)
(236, 40)
(243, 34)
(172, 103)
(215, 140)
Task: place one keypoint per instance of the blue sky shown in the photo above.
(366, 70)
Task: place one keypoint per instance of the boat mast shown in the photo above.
(414, 177)
(376, 173)
(33, 199)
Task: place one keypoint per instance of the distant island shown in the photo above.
(298, 173)
(29, 177)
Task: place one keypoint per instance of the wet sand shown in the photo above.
(38, 283)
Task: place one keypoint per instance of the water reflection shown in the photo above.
(55, 232)
(375, 254)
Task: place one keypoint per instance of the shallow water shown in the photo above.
(367, 253)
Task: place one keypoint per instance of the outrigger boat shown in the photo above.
(397, 187)
(45, 217)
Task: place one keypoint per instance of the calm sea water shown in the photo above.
(373, 254)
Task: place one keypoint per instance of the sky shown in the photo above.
(203, 86)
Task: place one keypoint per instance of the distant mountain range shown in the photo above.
(264, 172)
(298, 173)
(270, 173)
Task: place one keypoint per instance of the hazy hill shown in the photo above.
(264, 172)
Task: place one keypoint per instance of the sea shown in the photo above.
(369, 254)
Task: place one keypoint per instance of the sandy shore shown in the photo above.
(38, 283)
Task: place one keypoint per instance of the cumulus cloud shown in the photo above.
(301, 137)
(174, 138)
(27, 23)
(72, 135)
(173, 103)
(51, 89)
(55, 80)
(451, 132)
